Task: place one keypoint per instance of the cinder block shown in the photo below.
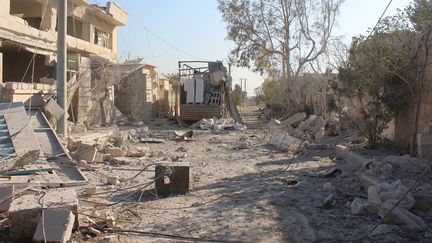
(173, 178)
(25, 211)
(57, 225)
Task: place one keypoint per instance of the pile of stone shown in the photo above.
(113, 147)
(314, 127)
(385, 182)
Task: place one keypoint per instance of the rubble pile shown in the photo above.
(218, 124)
(314, 127)
(385, 181)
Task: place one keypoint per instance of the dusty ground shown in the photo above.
(237, 194)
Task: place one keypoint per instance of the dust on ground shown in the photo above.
(250, 193)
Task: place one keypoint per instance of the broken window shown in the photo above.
(34, 22)
(102, 38)
(75, 28)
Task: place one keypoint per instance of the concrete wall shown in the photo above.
(130, 98)
(404, 122)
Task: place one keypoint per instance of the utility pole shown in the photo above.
(245, 91)
(61, 66)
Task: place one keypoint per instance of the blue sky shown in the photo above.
(192, 29)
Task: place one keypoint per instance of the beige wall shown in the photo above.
(5, 7)
(404, 122)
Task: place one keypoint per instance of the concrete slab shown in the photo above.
(25, 211)
(282, 141)
(55, 226)
(173, 178)
(6, 197)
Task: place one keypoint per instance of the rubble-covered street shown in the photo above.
(215, 121)
(241, 188)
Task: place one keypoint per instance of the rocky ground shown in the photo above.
(242, 189)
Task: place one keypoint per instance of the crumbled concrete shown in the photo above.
(25, 211)
(116, 152)
(55, 226)
(113, 180)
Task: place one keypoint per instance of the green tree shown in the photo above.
(386, 69)
(239, 96)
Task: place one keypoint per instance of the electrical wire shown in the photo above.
(379, 20)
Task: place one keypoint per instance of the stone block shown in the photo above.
(86, 152)
(368, 181)
(6, 197)
(282, 141)
(57, 224)
(173, 178)
(25, 211)
(116, 152)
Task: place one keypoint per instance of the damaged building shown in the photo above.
(28, 53)
(141, 93)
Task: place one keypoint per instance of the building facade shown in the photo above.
(28, 44)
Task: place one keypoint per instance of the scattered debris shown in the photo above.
(172, 178)
(113, 180)
(382, 198)
(92, 190)
(54, 226)
(282, 141)
(25, 211)
(295, 119)
(152, 140)
(187, 136)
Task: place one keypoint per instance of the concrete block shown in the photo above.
(368, 181)
(295, 119)
(113, 180)
(341, 151)
(25, 211)
(282, 141)
(116, 152)
(6, 197)
(57, 224)
(86, 152)
(355, 161)
(173, 178)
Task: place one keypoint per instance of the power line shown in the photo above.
(163, 40)
(379, 20)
